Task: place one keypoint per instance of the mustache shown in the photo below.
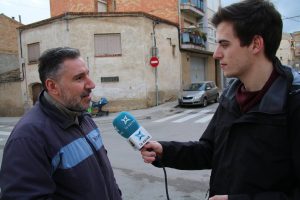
(86, 93)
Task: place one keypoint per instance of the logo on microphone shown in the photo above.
(125, 120)
(139, 135)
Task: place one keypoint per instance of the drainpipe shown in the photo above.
(179, 42)
(23, 68)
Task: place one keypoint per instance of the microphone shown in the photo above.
(128, 127)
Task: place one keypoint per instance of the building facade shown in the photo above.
(117, 48)
(11, 103)
(285, 50)
(296, 50)
(197, 35)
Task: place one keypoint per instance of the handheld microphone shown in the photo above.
(127, 126)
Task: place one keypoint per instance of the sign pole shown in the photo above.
(154, 63)
(156, 86)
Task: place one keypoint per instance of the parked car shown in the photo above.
(199, 94)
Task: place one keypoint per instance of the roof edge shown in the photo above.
(98, 14)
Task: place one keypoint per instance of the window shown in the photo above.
(33, 52)
(102, 6)
(108, 44)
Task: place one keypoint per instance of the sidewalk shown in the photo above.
(141, 114)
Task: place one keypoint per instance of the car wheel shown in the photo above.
(217, 98)
(179, 104)
(205, 102)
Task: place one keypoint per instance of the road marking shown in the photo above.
(4, 133)
(191, 116)
(1, 126)
(174, 116)
(205, 119)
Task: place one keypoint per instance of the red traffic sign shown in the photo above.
(154, 61)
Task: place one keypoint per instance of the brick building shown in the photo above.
(11, 103)
(296, 49)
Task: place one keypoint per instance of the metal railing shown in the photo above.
(199, 4)
(193, 38)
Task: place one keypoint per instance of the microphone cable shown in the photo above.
(166, 182)
(165, 175)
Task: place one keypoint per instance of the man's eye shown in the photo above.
(224, 44)
(79, 78)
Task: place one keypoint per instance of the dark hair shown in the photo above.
(253, 17)
(51, 61)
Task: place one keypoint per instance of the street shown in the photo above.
(139, 180)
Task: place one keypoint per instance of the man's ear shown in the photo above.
(257, 44)
(51, 86)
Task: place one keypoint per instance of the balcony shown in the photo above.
(193, 40)
(193, 7)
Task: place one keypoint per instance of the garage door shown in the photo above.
(197, 69)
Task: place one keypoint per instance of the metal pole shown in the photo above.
(156, 86)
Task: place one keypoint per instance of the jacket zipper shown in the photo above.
(95, 153)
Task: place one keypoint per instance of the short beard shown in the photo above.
(74, 104)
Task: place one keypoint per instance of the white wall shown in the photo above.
(136, 76)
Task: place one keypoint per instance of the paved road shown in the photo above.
(138, 180)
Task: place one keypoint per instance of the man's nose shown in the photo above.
(90, 84)
(217, 54)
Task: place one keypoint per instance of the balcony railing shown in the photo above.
(195, 3)
(194, 38)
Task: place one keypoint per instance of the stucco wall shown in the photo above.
(136, 86)
(8, 62)
(11, 104)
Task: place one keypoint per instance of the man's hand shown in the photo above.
(219, 197)
(150, 151)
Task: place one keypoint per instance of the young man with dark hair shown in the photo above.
(252, 144)
(56, 151)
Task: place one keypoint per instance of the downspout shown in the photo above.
(23, 68)
(179, 41)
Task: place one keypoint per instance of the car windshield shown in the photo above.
(195, 87)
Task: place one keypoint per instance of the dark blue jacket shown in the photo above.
(48, 156)
(253, 155)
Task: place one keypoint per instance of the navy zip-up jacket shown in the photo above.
(253, 155)
(49, 156)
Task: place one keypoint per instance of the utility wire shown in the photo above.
(291, 17)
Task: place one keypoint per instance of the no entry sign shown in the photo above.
(154, 61)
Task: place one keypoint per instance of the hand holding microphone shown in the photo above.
(127, 126)
(151, 156)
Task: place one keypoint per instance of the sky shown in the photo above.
(35, 10)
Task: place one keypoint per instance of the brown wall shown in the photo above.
(11, 103)
(58, 7)
(8, 33)
(163, 9)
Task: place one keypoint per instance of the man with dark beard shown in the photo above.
(56, 151)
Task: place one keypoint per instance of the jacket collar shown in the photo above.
(61, 118)
(274, 101)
